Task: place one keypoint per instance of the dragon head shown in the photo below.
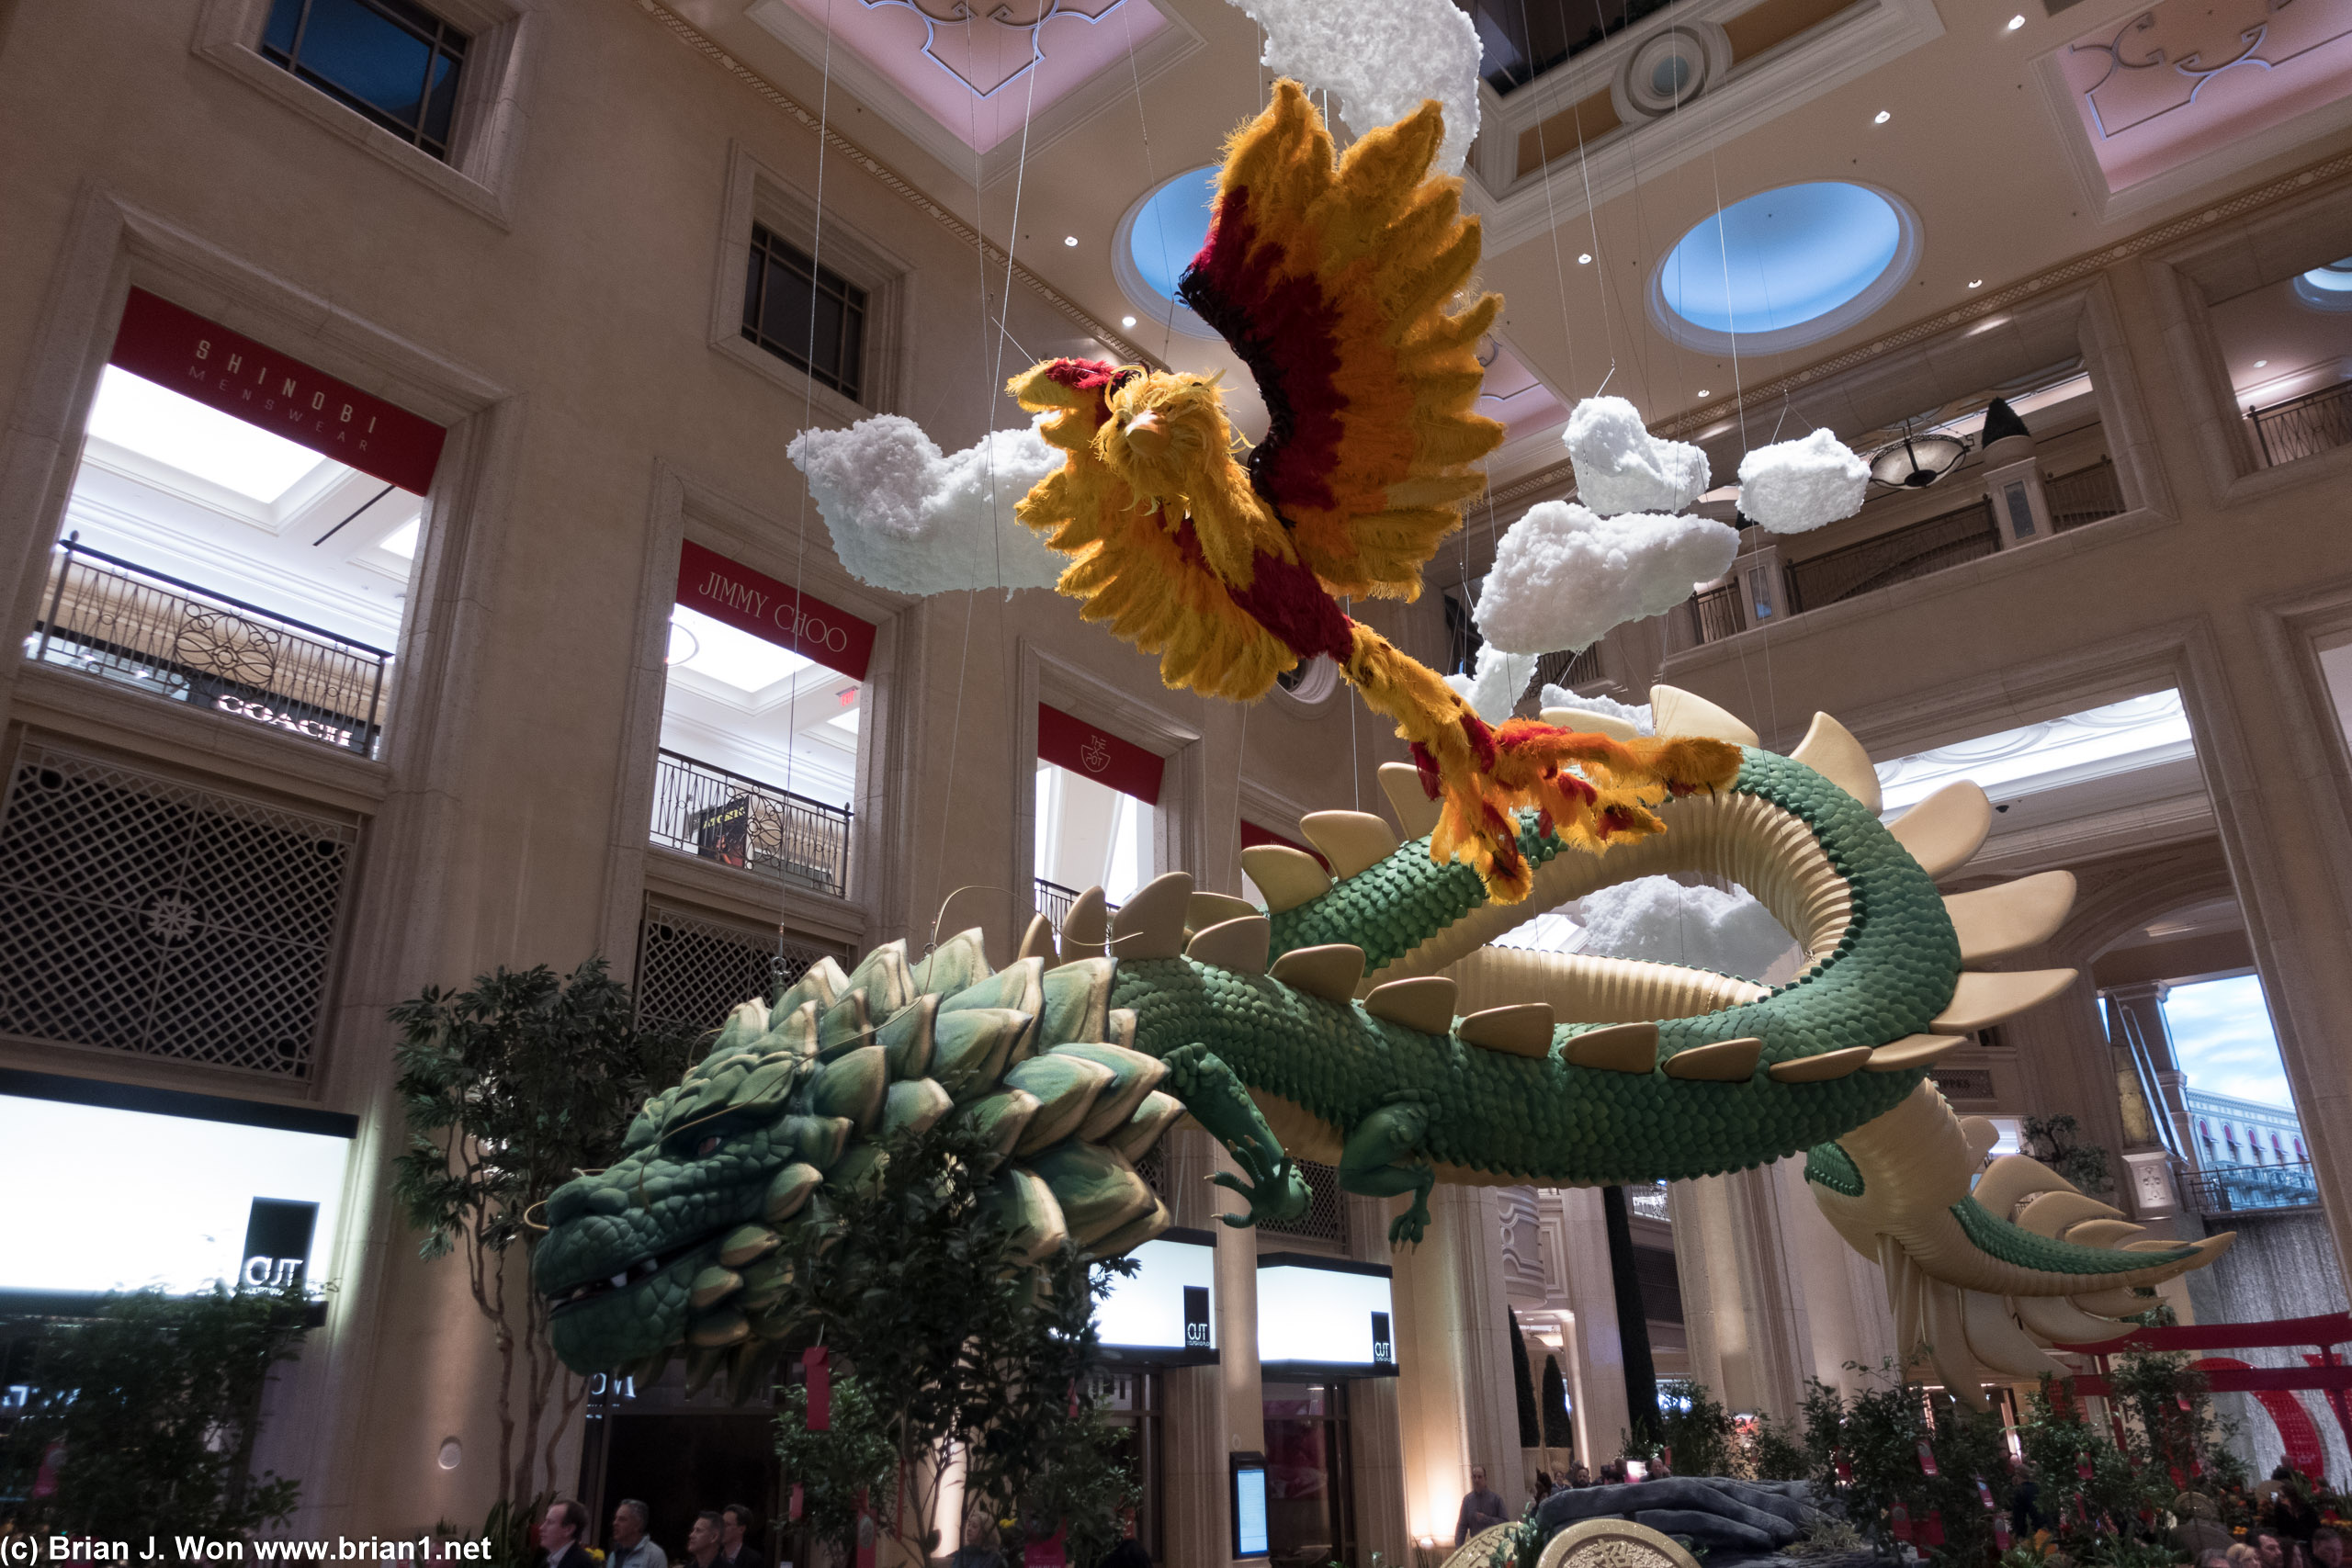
(726, 1180)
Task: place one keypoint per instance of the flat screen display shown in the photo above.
(1250, 1510)
(1166, 1304)
(109, 1199)
(1324, 1317)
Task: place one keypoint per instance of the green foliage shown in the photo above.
(1559, 1431)
(958, 1344)
(1698, 1432)
(1531, 1429)
(1778, 1453)
(157, 1402)
(1878, 1434)
(2168, 1411)
(1087, 1485)
(841, 1471)
(2057, 1143)
(508, 1089)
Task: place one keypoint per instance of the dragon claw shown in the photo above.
(1405, 1229)
(1279, 1193)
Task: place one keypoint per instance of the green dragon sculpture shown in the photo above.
(1332, 1025)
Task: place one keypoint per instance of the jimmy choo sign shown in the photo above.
(753, 602)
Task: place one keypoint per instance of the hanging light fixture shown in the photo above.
(1916, 461)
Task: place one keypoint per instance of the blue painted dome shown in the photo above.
(1782, 258)
(1171, 227)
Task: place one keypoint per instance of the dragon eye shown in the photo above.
(708, 1145)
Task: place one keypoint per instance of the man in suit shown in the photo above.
(560, 1531)
(701, 1540)
(736, 1522)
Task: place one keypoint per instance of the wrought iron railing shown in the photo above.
(2242, 1189)
(2084, 496)
(1053, 901)
(2305, 426)
(1932, 544)
(146, 632)
(724, 817)
(1715, 613)
(1570, 670)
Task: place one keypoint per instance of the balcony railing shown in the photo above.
(1053, 901)
(723, 817)
(2249, 1188)
(1570, 670)
(1928, 546)
(2084, 496)
(1715, 613)
(145, 632)
(2305, 426)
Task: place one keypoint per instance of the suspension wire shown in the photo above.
(1151, 187)
(800, 521)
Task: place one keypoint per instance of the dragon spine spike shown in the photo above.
(1416, 814)
(1424, 1004)
(1830, 750)
(1524, 1029)
(1615, 1048)
(1206, 909)
(1331, 971)
(1592, 723)
(1037, 942)
(1945, 829)
(2012, 1179)
(1677, 712)
(1995, 1339)
(1821, 1069)
(1911, 1053)
(2050, 1213)
(2104, 1233)
(1992, 923)
(1288, 877)
(1238, 944)
(1982, 1135)
(1351, 840)
(1981, 998)
(1151, 923)
(2061, 1321)
(1724, 1061)
(1085, 926)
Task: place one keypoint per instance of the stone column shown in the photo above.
(1455, 1403)
(1596, 1368)
(1743, 1302)
(2139, 1010)
(1193, 1422)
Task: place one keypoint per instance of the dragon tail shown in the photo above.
(1590, 789)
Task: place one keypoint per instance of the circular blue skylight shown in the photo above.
(2327, 287)
(1158, 240)
(1786, 267)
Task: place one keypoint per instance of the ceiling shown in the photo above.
(1954, 112)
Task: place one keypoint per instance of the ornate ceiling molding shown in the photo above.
(686, 33)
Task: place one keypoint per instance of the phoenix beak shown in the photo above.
(1150, 435)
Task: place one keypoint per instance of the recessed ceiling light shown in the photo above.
(1702, 391)
(157, 423)
(1127, 322)
(1584, 260)
(401, 541)
(2260, 362)
(1069, 239)
(1976, 283)
(737, 658)
(1880, 119)
(2017, 21)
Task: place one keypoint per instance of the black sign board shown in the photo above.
(277, 1241)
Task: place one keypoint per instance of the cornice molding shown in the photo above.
(686, 33)
(1560, 477)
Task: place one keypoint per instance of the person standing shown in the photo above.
(703, 1538)
(1481, 1509)
(632, 1548)
(560, 1531)
(736, 1522)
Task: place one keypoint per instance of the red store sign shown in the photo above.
(755, 602)
(1070, 743)
(182, 352)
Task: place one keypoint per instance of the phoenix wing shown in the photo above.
(1139, 568)
(1332, 282)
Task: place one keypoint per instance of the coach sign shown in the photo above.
(752, 602)
(182, 352)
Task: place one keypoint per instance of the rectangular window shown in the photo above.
(808, 316)
(391, 60)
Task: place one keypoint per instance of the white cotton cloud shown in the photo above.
(1563, 577)
(1380, 61)
(905, 517)
(1621, 467)
(1495, 686)
(1638, 717)
(1793, 486)
(1657, 918)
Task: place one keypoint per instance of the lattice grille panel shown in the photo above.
(1326, 1216)
(691, 971)
(139, 913)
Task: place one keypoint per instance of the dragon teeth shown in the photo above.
(619, 1281)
